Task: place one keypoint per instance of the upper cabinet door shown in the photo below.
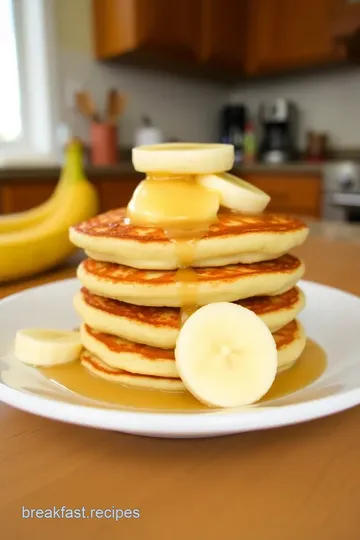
(290, 34)
(224, 26)
(172, 28)
(346, 28)
(114, 27)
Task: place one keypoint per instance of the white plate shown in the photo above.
(331, 318)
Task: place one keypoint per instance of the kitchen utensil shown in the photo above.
(86, 105)
(114, 105)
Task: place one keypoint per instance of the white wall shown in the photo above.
(328, 101)
(189, 110)
(181, 108)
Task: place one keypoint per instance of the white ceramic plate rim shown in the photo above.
(180, 424)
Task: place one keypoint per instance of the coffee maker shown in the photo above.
(233, 119)
(279, 131)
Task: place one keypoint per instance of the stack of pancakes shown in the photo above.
(130, 303)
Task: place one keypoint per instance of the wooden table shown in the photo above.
(295, 483)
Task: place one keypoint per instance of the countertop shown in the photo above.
(47, 173)
(292, 483)
(296, 167)
(125, 168)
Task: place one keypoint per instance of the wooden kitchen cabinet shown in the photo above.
(224, 33)
(153, 26)
(196, 33)
(346, 28)
(115, 192)
(18, 196)
(298, 194)
(238, 37)
(294, 193)
(290, 34)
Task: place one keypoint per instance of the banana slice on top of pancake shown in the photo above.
(235, 193)
(183, 158)
(226, 355)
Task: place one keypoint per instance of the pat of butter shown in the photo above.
(172, 201)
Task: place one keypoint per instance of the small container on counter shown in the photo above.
(104, 144)
(147, 133)
(316, 146)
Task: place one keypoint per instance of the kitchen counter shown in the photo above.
(282, 168)
(301, 481)
(293, 187)
(46, 173)
(333, 230)
(125, 167)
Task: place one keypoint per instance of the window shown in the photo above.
(28, 86)
(10, 114)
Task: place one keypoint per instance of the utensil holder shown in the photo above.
(104, 143)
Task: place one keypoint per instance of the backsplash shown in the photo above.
(182, 108)
(189, 110)
(328, 101)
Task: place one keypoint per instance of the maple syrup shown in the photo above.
(174, 201)
(184, 210)
(74, 377)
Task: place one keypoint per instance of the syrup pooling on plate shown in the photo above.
(309, 367)
(184, 210)
(182, 199)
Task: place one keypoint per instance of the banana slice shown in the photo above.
(183, 158)
(235, 193)
(43, 347)
(226, 356)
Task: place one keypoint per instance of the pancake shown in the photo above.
(145, 360)
(128, 355)
(159, 326)
(216, 284)
(234, 238)
(290, 343)
(97, 367)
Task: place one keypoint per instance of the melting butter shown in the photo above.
(172, 201)
(185, 210)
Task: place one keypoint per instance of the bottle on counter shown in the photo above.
(148, 133)
(249, 143)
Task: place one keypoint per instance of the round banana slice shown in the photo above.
(226, 356)
(44, 347)
(235, 193)
(183, 158)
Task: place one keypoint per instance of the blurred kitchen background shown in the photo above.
(279, 79)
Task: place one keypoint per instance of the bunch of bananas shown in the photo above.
(38, 239)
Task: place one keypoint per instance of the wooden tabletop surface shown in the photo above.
(294, 483)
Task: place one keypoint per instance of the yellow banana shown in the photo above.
(44, 245)
(22, 220)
